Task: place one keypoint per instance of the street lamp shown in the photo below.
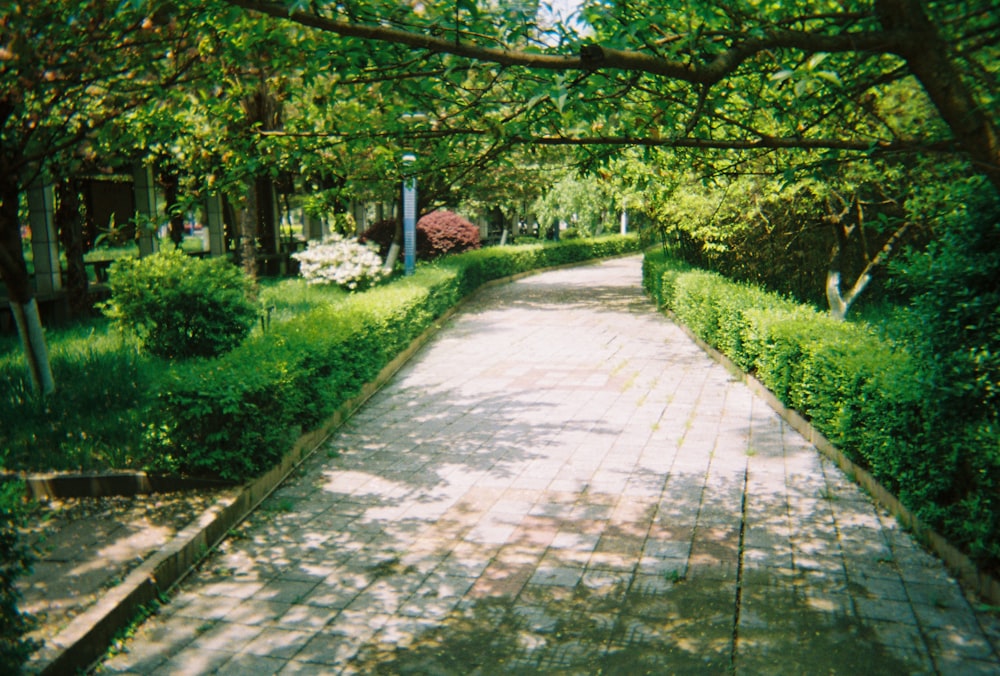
(409, 215)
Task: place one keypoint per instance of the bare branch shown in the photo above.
(767, 142)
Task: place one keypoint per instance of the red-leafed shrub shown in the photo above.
(444, 232)
(438, 233)
(381, 233)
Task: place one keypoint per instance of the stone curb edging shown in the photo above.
(965, 570)
(53, 485)
(87, 637)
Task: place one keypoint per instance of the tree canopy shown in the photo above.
(744, 75)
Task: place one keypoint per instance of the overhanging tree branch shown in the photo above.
(593, 56)
(769, 143)
(895, 27)
(760, 143)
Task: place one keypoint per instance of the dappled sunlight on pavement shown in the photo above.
(562, 482)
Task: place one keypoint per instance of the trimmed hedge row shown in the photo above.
(236, 415)
(872, 399)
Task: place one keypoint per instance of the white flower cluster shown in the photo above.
(341, 261)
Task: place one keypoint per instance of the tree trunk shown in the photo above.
(926, 54)
(248, 231)
(69, 225)
(834, 297)
(839, 303)
(267, 226)
(170, 182)
(36, 353)
(14, 273)
(396, 246)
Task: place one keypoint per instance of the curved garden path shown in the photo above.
(562, 482)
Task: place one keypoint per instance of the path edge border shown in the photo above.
(969, 575)
(88, 636)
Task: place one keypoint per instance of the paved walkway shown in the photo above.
(562, 482)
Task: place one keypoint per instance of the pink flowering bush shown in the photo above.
(342, 261)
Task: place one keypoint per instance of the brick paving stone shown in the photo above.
(562, 482)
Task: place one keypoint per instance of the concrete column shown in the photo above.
(144, 186)
(360, 212)
(44, 241)
(216, 226)
(314, 229)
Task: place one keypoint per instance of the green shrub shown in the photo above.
(235, 416)
(15, 561)
(181, 306)
(953, 313)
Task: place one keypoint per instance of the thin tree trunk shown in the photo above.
(248, 231)
(841, 304)
(14, 272)
(170, 185)
(834, 298)
(36, 353)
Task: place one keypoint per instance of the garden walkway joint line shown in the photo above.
(562, 481)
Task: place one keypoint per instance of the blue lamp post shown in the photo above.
(409, 215)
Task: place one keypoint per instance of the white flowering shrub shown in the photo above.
(342, 261)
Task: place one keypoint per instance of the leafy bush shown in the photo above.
(349, 264)
(444, 232)
(953, 293)
(15, 561)
(234, 417)
(180, 306)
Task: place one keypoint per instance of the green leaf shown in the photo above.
(468, 5)
(829, 76)
(816, 59)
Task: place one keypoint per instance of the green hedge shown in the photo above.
(236, 415)
(871, 398)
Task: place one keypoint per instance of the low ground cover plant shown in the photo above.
(874, 398)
